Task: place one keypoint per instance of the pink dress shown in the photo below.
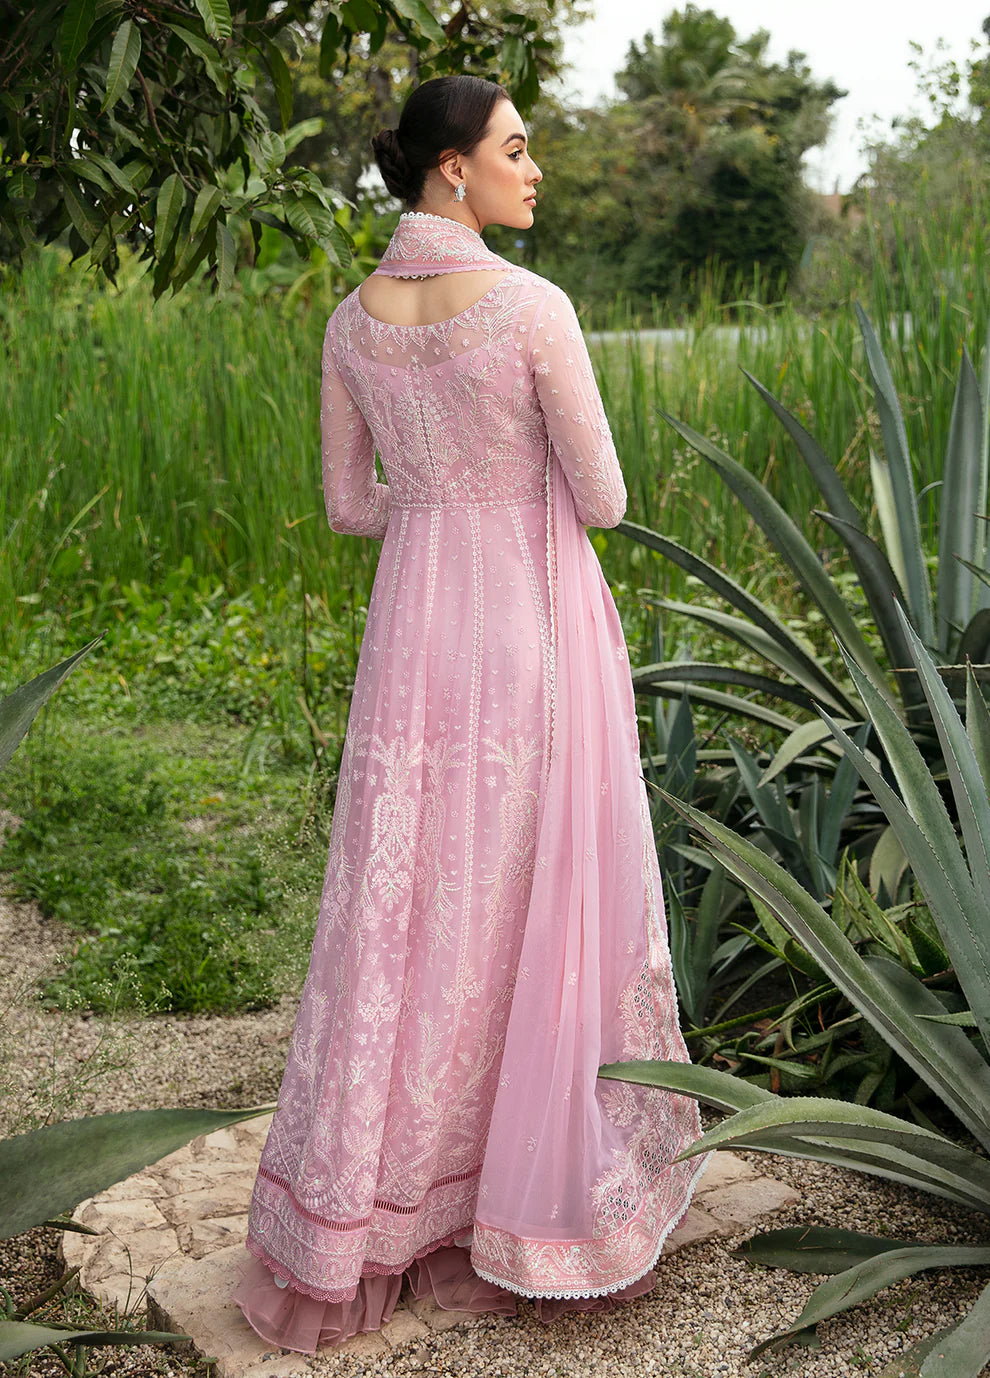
(492, 926)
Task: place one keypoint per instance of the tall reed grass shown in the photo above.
(134, 435)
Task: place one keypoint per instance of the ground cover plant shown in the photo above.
(164, 856)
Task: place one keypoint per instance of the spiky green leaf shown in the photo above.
(969, 786)
(19, 708)
(882, 590)
(865, 1279)
(647, 677)
(801, 661)
(978, 722)
(22, 1337)
(964, 496)
(790, 542)
(920, 1046)
(85, 1156)
(965, 1351)
(895, 445)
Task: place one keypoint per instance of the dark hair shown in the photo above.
(440, 114)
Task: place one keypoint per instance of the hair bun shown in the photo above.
(392, 162)
(443, 113)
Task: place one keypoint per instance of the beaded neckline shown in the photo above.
(424, 243)
(433, 215)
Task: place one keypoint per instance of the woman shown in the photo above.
(491, 929)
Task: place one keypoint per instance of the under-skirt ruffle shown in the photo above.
(292, 1320)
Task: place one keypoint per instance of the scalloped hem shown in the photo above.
(371, 1268)
(620, 1290)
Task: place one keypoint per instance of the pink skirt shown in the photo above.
(293, 1320)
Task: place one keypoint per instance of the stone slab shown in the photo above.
(746, 1202)
(193, 1298)
(228, 1196)
(436, 1317)
(404, 1327)
(725, 1169)
(202, 1237)
(177, 1229)
(696, 1226)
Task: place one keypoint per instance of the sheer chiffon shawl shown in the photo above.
(579, 1188)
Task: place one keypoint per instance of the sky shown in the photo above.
(861, 44)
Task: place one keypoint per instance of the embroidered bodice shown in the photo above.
(461, 411)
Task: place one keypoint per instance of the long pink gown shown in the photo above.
(492, 926)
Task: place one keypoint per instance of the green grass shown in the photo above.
(188, 430)
(168, 859)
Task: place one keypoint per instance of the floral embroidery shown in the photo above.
(374, 1153)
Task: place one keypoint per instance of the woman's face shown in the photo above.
(499, 175)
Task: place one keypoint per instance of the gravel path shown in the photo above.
(706, 1311)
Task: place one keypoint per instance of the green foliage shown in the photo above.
(50, 1170)
(145, 129)
(208, 912)
(953, 620)
(906, 1010)
(19, 709)
(172, 432)
(18, 1338)
(83, 1157)
(718, 162)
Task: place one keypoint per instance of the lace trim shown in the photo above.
(432, 215)
(379, 1204)
(488, 1276)
(374, 1269)
(474, 316)
(450, 268)
(446, 503)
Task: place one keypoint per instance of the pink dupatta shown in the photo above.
(578, 1190)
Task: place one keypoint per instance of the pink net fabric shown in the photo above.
(492, 927)
(292, 1320)
(579, 1187)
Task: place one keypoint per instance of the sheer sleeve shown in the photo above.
(357, 504)
(573, 411)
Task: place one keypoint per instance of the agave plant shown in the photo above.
(953, 621)
(947, 1045)
(799, 821)
(47, 1172)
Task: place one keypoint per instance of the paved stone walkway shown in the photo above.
(177, 1229)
